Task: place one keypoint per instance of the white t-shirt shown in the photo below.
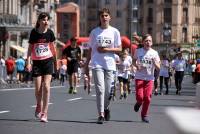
(109, 37)
(145, 60)
(124, 68)
(193, 67)
(63, 69)
(164, 68)
(179, 64)
(2, 62)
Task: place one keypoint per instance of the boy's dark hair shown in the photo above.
(104, 10)
(145, 36)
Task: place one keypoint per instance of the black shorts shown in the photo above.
(42, 67)
(123, 80)
(20, 72)
(72, 67)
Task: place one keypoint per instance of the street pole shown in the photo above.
(167, 37)
(131, 16)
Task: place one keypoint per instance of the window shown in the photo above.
(150, 15)
(149, 1)
(149, 30)
(135, 2)
(168, 1)
(184, 34)
(185, 15)
(168, 15)
(118, 14)
(185, 1)
(107, 2)
(135, 13)
(118, 2)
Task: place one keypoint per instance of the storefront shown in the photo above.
(12, 38)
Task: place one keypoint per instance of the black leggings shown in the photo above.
(178, 79)
(166, 81)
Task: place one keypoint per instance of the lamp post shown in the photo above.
(167, 36)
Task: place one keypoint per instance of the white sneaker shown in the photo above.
(44, 118)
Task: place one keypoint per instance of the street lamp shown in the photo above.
(167, 36)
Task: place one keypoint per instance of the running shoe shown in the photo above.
(70, 90)
(107, 114)
(166, 92)
(145, 119)
(38, 111)
(89, 90)
(74, 91)
(125, 95)
(44, 118)
(85, 87)
(156, 93)
(136, 107)
(121, 96)
(100, 120)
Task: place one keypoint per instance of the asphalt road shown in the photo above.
(77, 114)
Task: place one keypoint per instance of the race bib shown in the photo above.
(42, 50)
(104, 41)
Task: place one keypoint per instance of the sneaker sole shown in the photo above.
(42, 120)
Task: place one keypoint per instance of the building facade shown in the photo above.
(169, 21)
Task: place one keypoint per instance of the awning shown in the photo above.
(18, 48)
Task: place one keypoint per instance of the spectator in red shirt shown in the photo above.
(10, 67)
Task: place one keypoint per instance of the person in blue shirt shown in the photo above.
(20, 66)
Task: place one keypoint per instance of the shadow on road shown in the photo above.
(71, 121)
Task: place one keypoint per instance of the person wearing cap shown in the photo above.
(179, 65)
(73, 55)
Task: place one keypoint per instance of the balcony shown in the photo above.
(8, 19)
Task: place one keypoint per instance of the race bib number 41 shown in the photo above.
(42, 50)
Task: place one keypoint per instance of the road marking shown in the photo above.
(191, 102)
(93, 95)
(35, 105)
(18, 89)
(1, 112)
(75, 99)
(31, 88)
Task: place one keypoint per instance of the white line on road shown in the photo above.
(31, 88)
(18, 89)
(35, 105)
(1, 112)
(93, 95)
(75, 99)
